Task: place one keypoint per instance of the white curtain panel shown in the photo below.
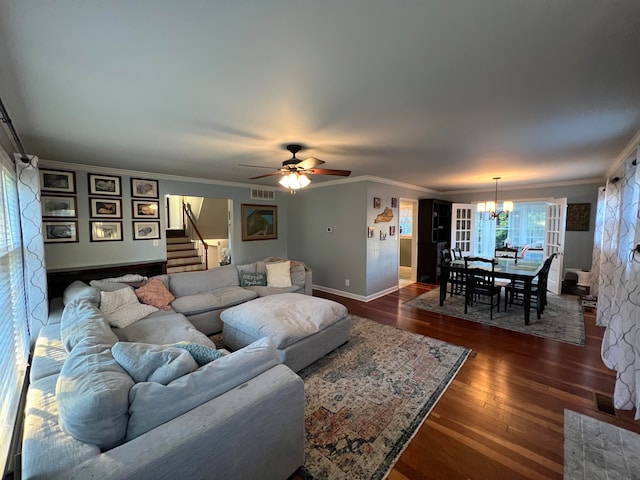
(619, 287)
(594, 276)
(33, 244)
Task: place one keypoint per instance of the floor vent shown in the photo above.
(259, 194)
(604, 404)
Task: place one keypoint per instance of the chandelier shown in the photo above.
(489, 210)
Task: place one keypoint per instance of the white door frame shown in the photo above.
(554, 239)
(463, 227)
(414, 238)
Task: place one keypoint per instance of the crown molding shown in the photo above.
(630, 151)
(138, 173)
(529, 186)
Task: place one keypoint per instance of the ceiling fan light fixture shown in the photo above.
(294, 181)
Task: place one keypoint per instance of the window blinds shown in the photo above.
(14, 335)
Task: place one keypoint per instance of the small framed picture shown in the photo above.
(145, 209)
(383, 235)
(57, 181)
(60, 231)
(104, 185)
(376, 202)
(146, 230)
(58, 206)
(106, 231)
(105, 207)
(144, 188)
(371, 232)
(394, 202)
(392, 230)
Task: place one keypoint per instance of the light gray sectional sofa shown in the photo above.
(202, 296)
(121, 403)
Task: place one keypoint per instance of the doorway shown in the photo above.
(408, 245)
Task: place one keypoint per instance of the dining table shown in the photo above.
(503, 268)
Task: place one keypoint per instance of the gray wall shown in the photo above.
(87, 253)
(370, 264)
(578, 245)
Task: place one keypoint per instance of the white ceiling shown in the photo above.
(440, 94)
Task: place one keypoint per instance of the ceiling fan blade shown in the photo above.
(309, 163)
(329, 171)
(256, 166)
(266, 175)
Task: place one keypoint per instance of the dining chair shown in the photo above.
(506, 252)
(481, 283)
(457, 253)
(456, 279)
(538, 288)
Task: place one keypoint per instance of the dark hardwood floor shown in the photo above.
(502, 416)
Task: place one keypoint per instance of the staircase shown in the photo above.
(182, 256)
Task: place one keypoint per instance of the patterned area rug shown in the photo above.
(595, 449)
(562, 318)
(366, 399)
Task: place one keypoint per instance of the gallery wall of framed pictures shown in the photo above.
(59, 204)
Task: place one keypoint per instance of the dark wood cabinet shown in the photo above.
(434, 234)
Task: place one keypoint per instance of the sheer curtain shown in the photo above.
(619, 286)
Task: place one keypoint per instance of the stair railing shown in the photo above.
(190, 229)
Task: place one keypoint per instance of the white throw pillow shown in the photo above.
(279, 274)
(122, 308)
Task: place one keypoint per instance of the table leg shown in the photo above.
(444, 274)
(527, 300)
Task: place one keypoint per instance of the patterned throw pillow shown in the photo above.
(249, 279)
(201, 354)
(121, 308)
(156, 294)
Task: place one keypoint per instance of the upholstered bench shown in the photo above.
(303, 328)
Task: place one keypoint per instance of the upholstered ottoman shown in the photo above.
(304, 328)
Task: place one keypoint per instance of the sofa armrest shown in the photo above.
(263, 418)
(308, 282)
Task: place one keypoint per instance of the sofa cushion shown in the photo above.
(153, 363)
(264, 291)
(247, 267)
(49, 353)
(249, 279)
(105, 286)
(122, 307)
(298, 273)
(80, 290)
(93, 395)
(279, 274)
(190, 283)
(215, 299)
(152, 404)
(162, 330)
(156, 294)
(83, 320)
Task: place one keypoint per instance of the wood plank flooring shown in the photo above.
(502, 416)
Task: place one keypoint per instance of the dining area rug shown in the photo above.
(562, 319)
(365, 401)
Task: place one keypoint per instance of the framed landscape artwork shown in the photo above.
(146, 230)
(60, 231)
(105, 208)
(106, 231)
(58, 206)
(59, 181)
(104, 185)
(144, 188)
(259, 222)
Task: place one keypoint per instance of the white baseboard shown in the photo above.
(353, 296)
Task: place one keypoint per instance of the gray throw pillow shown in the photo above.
(153, 363)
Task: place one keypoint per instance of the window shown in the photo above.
(406, 221)
(525, 226)
(14, 339)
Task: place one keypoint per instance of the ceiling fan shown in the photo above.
(295, 171)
